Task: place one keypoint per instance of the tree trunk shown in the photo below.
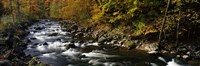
(18, 11)
(11, 10)
(163, 23)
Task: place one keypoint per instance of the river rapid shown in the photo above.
(51, 44)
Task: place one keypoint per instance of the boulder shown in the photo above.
(70, 46)
(39, 28)
(33, 38)
(182, 50)
(79, 34)
(90, 41)
(75, 27)
(53, 34)
(101, 39)
(185, 56)
(45, 43)
(5, 63)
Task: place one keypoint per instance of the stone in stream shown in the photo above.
(75, 27)
(70, 46)
(45, 43)
(33, 38)
(69, 30)
(113, 41)
(53, 34)
(39, 28)
(182, 50)
(185, 56)
(90, 41)
(101, 40)
(34, 31)
(36, 44)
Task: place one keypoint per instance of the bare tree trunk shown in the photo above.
(11, 10)
(18, 11)
(30, 8)
(163, 23)
(177, 29)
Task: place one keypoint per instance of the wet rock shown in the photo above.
(185, 56)
(81, 41)
(34, 31)
(53, 34)
(33, 46)
(148, 47)
(182, 50)
(79, 34)
(73, 31)
(153, 52)
(72, 41)
(45, 43)
(83, 56)
(69, 30)
(33, 38)
(90, 41)
(59, 40)
(36, 44)
(75, 27)
(101, 40)
(113, 41)
(70, 46)
(57, 29)
(28, 41)
(39, 28)
(5, 63)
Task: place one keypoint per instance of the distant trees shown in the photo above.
(1, 10)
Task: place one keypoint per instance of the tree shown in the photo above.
(11, 10)
(18, 11)
(1, 9)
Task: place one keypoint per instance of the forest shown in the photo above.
(167, 28)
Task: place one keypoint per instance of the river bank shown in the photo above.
(12, 44)
(188, 52)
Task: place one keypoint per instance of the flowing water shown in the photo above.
(52, 45)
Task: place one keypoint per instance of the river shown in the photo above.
(49, 42)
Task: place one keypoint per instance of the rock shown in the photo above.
(28, 41)
(178, 56)
(5, 63)
(53, 34)
(79, 34)
(90, 41)
(73, 31)
(36, 44)
(45, 43)
(101, 40)
(72, 41)
(75, 27)
(152, 52)
(70, 46)
(34, 31)
(39, 28)
(188, 53)
(185, 56)
(113, 41)
(59, 39)
(69, 30)
(33, 38)
(148, 47)
(182, 50)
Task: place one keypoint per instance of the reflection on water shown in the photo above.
(52, 45)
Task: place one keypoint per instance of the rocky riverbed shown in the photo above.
(56, 43)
